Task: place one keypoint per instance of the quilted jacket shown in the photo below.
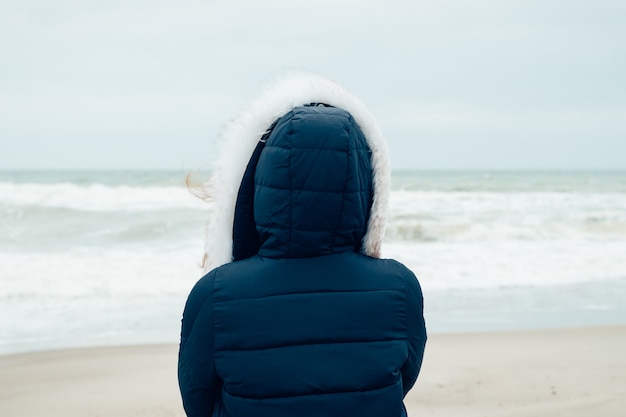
(303, 320)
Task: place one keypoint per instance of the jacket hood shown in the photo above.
(287, 176)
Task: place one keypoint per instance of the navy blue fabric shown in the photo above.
(308, 326)
(246, 242)
(313, 185)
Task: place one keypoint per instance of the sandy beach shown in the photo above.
(565, 372)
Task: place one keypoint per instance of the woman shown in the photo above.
(298, 315)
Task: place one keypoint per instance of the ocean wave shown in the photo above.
(97, 197)
(95, 214)
(426, 231)
(57, 228)
(84, 253)
(445, 216)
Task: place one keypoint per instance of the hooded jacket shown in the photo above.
(297, 315)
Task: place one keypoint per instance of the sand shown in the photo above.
(566, 372)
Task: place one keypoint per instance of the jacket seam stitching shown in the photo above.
(300, 229)
(343, 193)
(359, 191)
(358, 149)
(213, 321)
(291, 191)
(292, 345)
(338, 392)
(312, 292)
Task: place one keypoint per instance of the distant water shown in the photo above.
(109, 257)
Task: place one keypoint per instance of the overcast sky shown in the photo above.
(454, 84)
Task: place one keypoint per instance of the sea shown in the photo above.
(90, 258)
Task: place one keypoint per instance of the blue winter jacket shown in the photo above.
(301, 323)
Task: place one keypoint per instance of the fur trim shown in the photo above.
(242, 134)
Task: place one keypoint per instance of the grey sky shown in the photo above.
(455, 84)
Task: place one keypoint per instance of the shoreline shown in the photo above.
(120, 321)
(568, 371)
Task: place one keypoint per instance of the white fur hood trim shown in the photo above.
(240, 137)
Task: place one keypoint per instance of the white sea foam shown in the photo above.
(86, 296)
(91, 257)
(97, 197)
(506, 264)
(83, 273)
(479, 216)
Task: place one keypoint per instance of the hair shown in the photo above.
(202, 190)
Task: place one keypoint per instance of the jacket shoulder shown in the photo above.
(408, 279)
(200, 294)
(391, 267)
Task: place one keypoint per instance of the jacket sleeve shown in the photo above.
(417, 333)
(198, 382)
